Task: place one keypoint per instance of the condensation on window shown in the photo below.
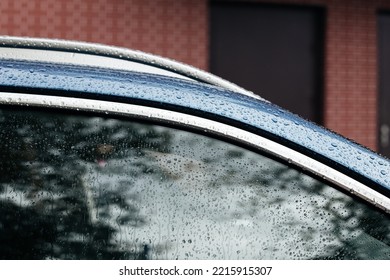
(84, 187)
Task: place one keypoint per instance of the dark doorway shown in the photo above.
(276, 51)
(384, 83)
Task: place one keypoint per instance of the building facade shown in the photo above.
(350, 91)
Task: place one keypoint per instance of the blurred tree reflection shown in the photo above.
(45, 211)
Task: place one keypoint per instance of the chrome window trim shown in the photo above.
(115, 55)
(82, 59)
(218, 129)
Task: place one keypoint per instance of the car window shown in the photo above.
(87, 187)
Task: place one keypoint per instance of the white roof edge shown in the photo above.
(120, 54)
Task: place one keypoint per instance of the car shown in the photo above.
(109, 153)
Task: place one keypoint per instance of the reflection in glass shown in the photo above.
(82, 187)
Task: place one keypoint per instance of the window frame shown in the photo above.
(209, 127)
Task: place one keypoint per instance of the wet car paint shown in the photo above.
(203, 100)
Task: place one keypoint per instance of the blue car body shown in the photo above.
(114, 154)
(205, 100)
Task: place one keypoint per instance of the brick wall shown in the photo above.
(351, 70)
(171, 28)
(179, 29)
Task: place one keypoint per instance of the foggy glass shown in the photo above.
(86, 187)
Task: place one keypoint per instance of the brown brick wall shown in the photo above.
(172, 28)
(179, 29)
(351, 70)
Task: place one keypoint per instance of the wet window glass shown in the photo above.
(84, 187)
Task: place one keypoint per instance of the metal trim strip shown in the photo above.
(215, 128)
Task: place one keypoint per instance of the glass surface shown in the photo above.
(84, 187)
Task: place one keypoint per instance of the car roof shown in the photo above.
(89, 54)
(195, 93)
